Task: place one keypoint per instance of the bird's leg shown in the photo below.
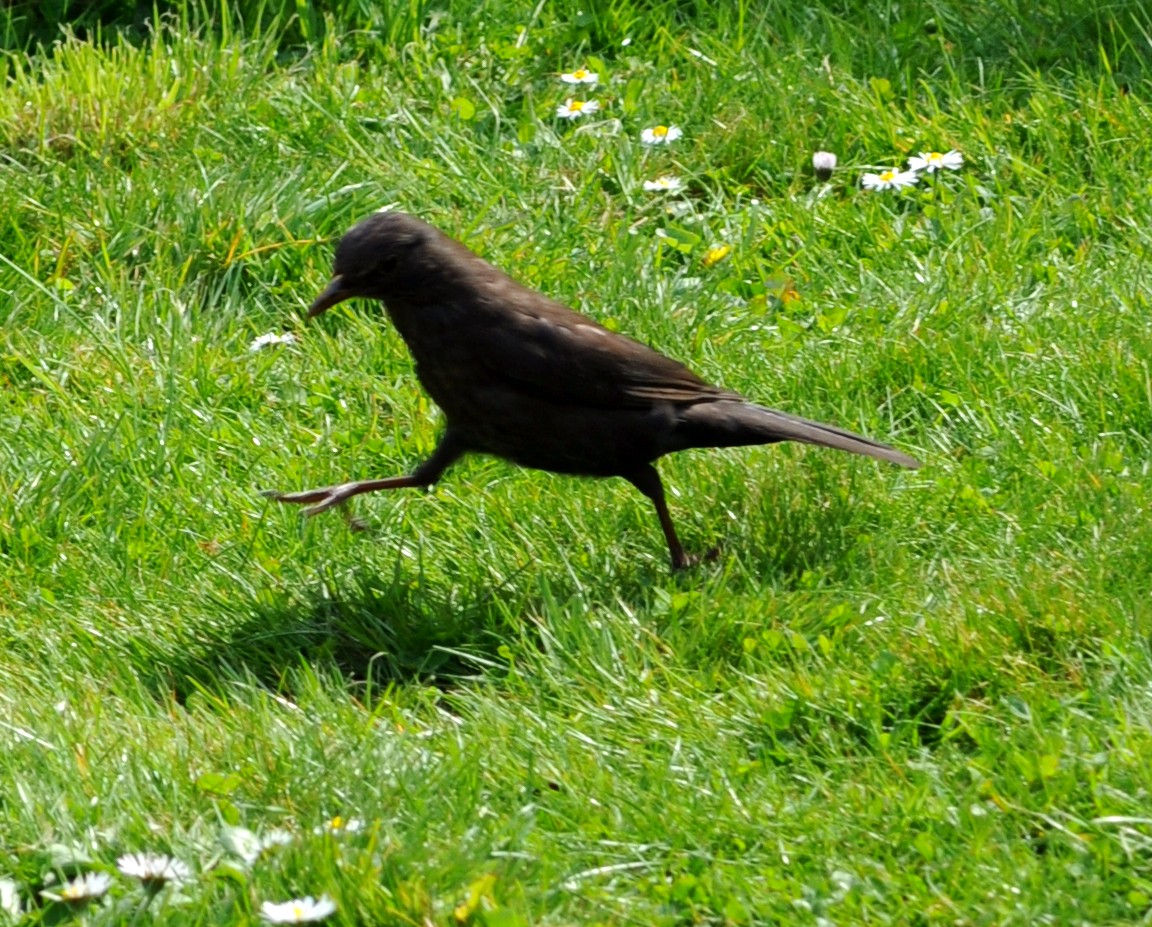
(448, 451)
(647, 480)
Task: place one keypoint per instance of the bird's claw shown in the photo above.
(691, 560)
(323, 499)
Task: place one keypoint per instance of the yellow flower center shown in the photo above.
(576, 106)
(888, 176)
(579, 74)
(298, 911)
(660, 131)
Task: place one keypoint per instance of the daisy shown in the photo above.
(154, 870)
(82, 889)
(932, 161)
(574, 109)
(339, 825)
(660, 135)
(249, 846)
(271, 338)
(580, 76)
(666, 184)
(298, 911)
(889, 180)
(278, 837)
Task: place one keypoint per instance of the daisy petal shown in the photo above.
(574, 109)
(580, 76)
(891, 179)
(660, 135)
(306, 910)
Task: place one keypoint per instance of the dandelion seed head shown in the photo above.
(823, 163)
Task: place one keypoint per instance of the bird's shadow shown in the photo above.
(405, 627)
(375, 630)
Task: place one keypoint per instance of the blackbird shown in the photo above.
(522, 377)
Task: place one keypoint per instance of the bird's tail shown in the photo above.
(731, 423)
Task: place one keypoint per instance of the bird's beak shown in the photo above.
(335, 292)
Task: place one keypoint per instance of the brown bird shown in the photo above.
(522, 377)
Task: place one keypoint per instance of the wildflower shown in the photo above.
(660, 135)
(889, 180)
(154, 870)
(932, 161)
(82, 889)
(716, 254)
(271, 338)
(574, 109)
(250, 846)
(298, 911)
(580, 76)
(665, 184)
(277, 837)
(339, 825)
(823, 163)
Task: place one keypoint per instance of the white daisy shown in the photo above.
(574, 109)
(339, 825)
(155, 870)
(249, 846)
(660, 135)
(271, 338)
(580, 76)
(298, 911)
(277, 837)
(82, 889)
(889, 180)
(666, 184)
(932, 161)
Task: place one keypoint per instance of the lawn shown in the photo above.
(896, 697)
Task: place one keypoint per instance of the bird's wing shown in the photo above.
(567, 358)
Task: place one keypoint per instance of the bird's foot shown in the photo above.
(317, 500)
(686, 561)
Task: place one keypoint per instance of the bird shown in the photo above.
(522, 377)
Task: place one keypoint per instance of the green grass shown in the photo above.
(896, 698)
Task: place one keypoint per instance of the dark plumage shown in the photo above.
(520, 376)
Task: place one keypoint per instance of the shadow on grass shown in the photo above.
(376, 630)
(424, 626)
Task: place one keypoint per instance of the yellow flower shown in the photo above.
(716, 254)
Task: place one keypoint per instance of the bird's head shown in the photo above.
(376, 258)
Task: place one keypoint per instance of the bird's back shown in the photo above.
(522, 376)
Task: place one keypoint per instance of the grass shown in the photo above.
(897, 698)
